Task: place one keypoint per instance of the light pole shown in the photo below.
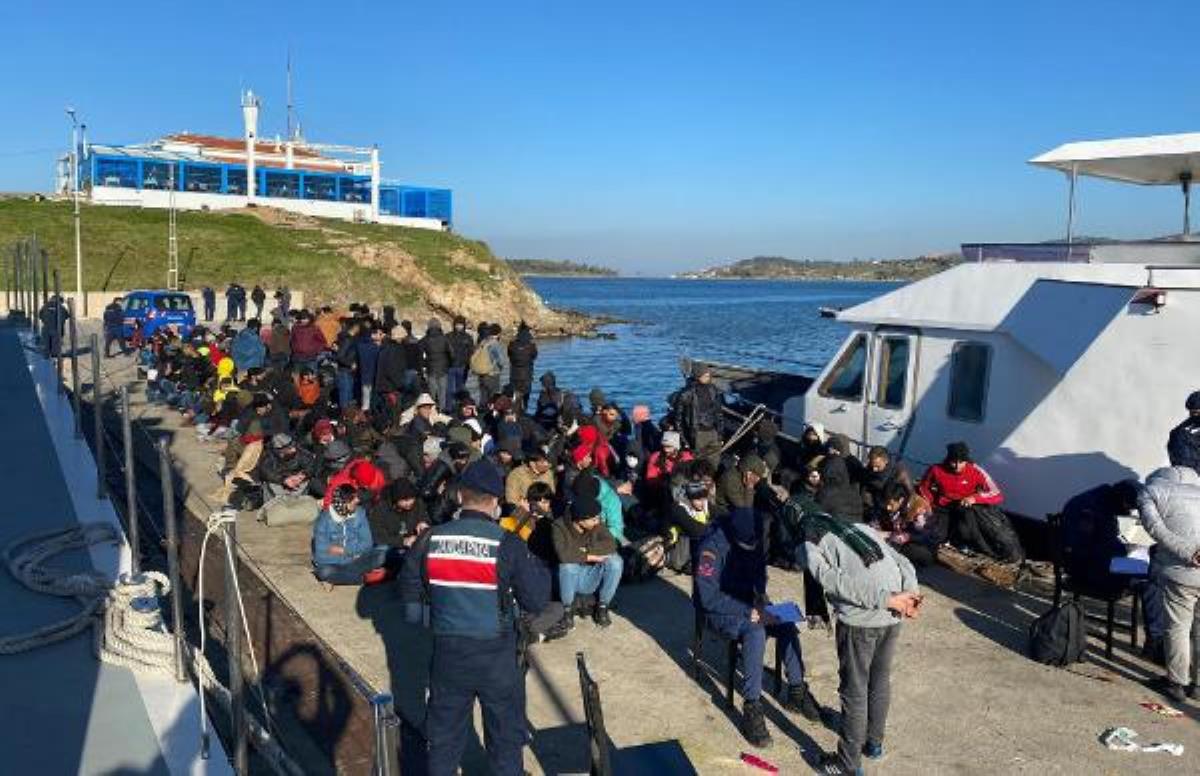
(75, 196)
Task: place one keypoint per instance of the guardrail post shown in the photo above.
(98, 418)
(387, 736)
(131, 513)
(45, 275)
(31, 273)
(168, 496)
(74, 367)
(233, 649)
(58, 330)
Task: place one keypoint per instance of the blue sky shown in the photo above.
(651, 136)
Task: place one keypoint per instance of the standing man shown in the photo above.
(114, 327)
(231, 302)
(1183, 445)
(53, 317)
(414, 359)
(699, 415)
(259, 297)
(435, 349)
(461, 347)
(473, 574)
(730, 589)
(210, 303)
(522, 353)
(1169, 507)
(871, 588)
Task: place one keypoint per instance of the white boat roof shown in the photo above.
(1151, 160)
(1053, 310)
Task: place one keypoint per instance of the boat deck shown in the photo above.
(965, 697)
(64, 711)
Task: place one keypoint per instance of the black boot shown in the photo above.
(754, 725)
(801, 700)
(600, 616)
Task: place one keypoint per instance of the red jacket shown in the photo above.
(360, 473)
(307, 341)
(942, 487)
(659, 467)
(602, 452)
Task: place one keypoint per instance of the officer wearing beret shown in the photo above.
(473, 574)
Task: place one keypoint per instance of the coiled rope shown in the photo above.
(125, 617)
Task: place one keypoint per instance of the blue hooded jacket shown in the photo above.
(248, 350)
(353, 535)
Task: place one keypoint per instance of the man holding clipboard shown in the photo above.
(730, 586)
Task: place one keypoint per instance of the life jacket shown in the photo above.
(461, 576)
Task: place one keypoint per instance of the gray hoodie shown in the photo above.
(859, 593)
(1169, 506)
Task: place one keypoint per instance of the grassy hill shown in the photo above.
(331, 261)
(556, 268)
(779, 268)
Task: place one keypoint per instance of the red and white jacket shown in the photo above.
(942, 486)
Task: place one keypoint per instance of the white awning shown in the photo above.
(1151, 160)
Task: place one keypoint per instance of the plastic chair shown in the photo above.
(1063, 582)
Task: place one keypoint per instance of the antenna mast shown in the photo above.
(172, 234)
(290, 106)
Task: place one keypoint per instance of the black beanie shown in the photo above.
(584, 507)
(957, 451)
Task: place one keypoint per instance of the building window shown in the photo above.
(116, 172)
(356, 189)
(158, 175)
(415, 203)
(893, 372)
(389, 201)
(283, 184)
(202, 178)
(320, 187)
(970, 365)
(846, 379)
(235, 180)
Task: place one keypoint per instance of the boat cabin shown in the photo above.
(1062, 366)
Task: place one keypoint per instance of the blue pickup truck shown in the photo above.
(156, 309)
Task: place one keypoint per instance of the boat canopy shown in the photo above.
(1153, 161)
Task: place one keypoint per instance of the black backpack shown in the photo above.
(1059, 637)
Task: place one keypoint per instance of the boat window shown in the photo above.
(846, 379)
(893, 372)
(970, 364)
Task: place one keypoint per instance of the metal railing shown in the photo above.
(30, 283)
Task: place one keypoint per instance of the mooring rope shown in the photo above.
(128, 629)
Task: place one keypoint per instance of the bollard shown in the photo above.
(387, 736)
(74, 368)
(233, 649)
(58, 327)
(98, 418)
(131, 514)
(168, 496)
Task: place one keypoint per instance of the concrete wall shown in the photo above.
(195, 200)
(97, 300)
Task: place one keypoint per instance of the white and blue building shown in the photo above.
(191, 171)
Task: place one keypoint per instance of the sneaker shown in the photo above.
(872, 751)
(559, 629)
(830, 764)
(754, 725)
(600, 616)
(800, 699)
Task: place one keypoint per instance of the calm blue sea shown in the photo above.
(763, 324)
